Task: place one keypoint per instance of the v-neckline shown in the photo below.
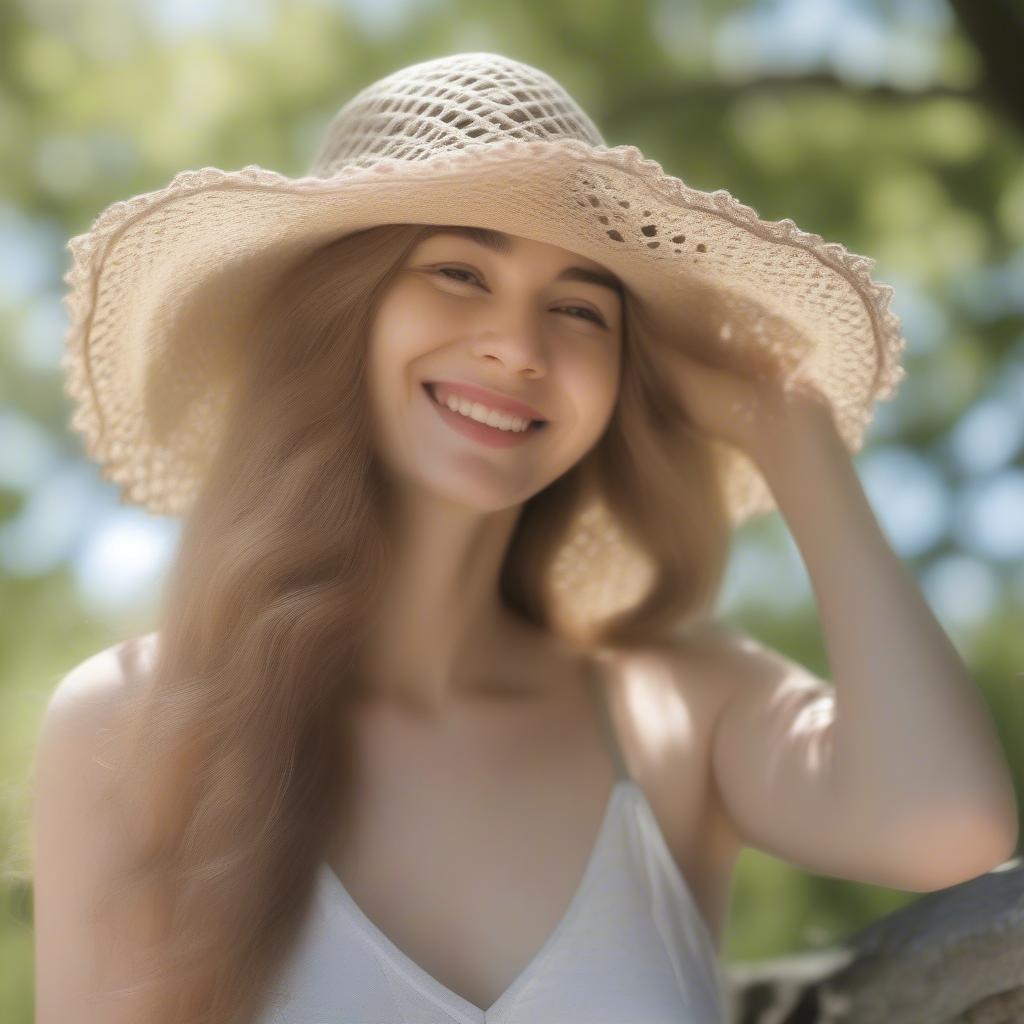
(469, 1012)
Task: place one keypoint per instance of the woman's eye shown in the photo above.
(457, 270)
(589, 314)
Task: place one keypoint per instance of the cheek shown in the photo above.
(594, 383)
(387, 381)
(397, 338)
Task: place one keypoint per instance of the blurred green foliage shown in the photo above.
(102, 101)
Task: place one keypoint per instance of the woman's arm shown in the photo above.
(914, 751)
(896, 774)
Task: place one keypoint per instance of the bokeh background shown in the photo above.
(894, 127)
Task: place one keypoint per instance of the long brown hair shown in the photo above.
(235, 756)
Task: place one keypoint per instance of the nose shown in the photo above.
(517, 343)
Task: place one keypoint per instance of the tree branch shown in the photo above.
(954, 956)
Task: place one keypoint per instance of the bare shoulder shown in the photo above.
(704, 668)
(722, 649)
(78, 843)
(80, 721)
(93, 688)
(736, 667)
(685, 680)
(668, 698)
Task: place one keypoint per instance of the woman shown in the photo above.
(437, 724)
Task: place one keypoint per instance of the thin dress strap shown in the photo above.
(595, 683)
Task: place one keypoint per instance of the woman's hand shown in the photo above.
(757, 416)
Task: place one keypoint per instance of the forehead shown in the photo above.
(504, 244)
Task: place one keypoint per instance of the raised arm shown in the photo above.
(895, 772)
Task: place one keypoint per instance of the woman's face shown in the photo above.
(500, 317)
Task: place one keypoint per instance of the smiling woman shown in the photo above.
(500, 344)
(382, 521)
(369, 765)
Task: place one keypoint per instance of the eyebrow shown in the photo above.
(499, 242)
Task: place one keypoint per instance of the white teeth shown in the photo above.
(480, 413)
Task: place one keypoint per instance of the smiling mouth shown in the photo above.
(429, 388)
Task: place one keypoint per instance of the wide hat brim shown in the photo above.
(160, 287)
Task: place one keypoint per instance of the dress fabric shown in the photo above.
(631, 948)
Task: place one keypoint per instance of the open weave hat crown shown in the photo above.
(161, 284)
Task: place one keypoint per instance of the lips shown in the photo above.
(535, 423)
(481, 433)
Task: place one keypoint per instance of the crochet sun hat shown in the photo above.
(160, 286)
